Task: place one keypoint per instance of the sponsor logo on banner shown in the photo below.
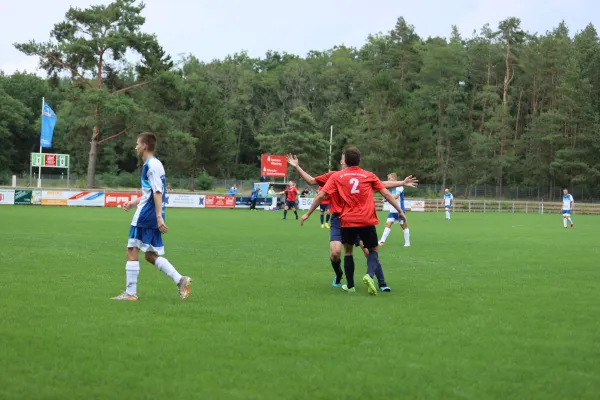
(114, 199)
(7, 197)
(56, 198)
(36, 197)
(418, 205)
(87, 199)
(273, 165)
(219, 201)
(266, 203)
(304, 203)
(23, 197)
(185, 201)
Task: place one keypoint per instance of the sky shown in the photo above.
(213, 29)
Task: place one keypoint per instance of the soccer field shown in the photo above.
(502, 306)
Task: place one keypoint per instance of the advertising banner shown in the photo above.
(7, 197)
(86, 199)
(261, 202)
(304, 203)
(409, 205)
(115, 199)
(56, 197)
(219, 201)
(185, 200)
(36, 197)
(50, 160)
(273, 165)
(23, 197)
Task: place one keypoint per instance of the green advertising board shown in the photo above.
(50, 160)
(23, 197)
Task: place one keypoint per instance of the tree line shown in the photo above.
(503, 107)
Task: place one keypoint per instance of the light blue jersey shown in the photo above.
(153, 180)
(448, 198)
(394, 216)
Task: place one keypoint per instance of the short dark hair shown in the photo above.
(149, 139)
(352, 156)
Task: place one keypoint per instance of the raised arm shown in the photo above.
(409, 181)
(293, 161)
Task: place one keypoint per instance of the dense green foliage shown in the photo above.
(503, 107)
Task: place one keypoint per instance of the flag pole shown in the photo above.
(39, 185)
(330, 144)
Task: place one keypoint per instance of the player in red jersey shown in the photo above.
(335, 208)
(291, 197)
(324, 209)
(355, 186)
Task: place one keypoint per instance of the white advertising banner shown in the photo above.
(304, 203)
(185, 200)
(7, 197)
(86, 199)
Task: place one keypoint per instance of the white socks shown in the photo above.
(386, 233)
(406, 236)
(447, 214)
(165, 266)
(132, 270)
(565, 222)
(570, 221)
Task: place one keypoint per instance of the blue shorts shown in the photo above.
(324, 207)
(395, 218)
(335, 231)
(290, 204)
(566, 212)
(447, 207)
(148, 240)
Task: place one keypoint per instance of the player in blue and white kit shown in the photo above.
(567, 208)
(448, 199)
(393, 217)
(148, 224)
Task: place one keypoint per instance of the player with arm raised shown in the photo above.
(148, 224)
(567, 208)
(447, 201)
(355, 186)
(291, 196)
(335, 208)
(394, 218)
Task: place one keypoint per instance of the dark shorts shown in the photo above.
(324, 207)
(335, 230)
(367, 234)
(290, 204)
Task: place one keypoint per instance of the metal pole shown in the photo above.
(513, 207)
(69, 175)
(39, 185)
(484, 206)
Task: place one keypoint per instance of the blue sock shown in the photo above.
(349, 270)
(372, 263)
(380, 276)
(327, 219)
(338, 270)
(321, 219)
(284, 214)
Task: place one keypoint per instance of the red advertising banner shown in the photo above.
(115, 199)
(50, 160)
(273, 165)
(219, 201)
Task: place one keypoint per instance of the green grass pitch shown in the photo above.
(486, 306)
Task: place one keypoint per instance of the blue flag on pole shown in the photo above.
(48, 122)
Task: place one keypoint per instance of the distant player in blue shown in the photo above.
(148, 224)
(253, 197)
(448, 199)
(393, 217)
(567, 208)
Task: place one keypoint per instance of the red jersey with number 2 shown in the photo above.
(355, 186)
(335, 201)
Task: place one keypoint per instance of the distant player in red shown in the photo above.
(291, 197)
(324, 209)
(358, 216)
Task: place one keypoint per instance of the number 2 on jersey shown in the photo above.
(354, 183)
